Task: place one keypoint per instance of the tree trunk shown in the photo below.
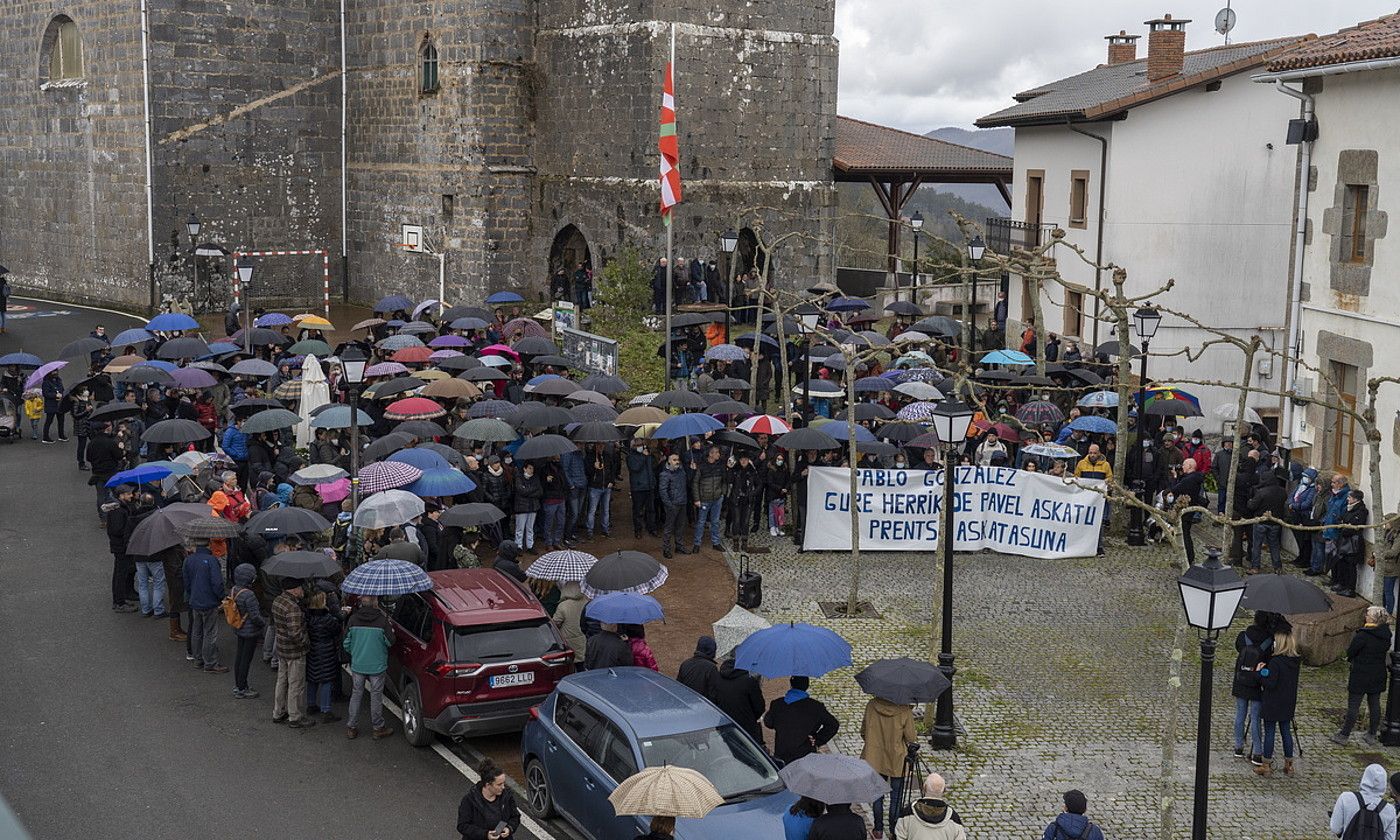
(1233, 471)
(1377, 504)
(781, 375)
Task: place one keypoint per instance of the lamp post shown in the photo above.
(916, 222)
(352, 364)
(1210, 595)
(192, 227)
(975, 249)
(245, 278)
(728, 241)
(1145, 320)
(951, 418)
(808, 314)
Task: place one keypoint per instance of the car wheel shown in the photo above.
(538, 802)
(414, 729)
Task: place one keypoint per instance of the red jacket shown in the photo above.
(642, 656)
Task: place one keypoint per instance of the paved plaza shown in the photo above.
(1065, 679)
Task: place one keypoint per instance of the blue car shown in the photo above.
(599, 727)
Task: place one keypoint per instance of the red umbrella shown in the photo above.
(413, 355)
(1001, 430)
(499, 350)
(521, 327)
(414, 408)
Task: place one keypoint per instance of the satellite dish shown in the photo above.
(1225, 20)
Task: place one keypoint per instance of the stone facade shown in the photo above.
(543, 124)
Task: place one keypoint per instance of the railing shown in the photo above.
(1005, 234)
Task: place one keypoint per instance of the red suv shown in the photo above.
(472, 656)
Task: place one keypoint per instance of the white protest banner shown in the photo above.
(1006, 510)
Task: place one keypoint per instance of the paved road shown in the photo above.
(112, 734)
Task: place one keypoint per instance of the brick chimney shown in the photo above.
(1166, 47)
(1122, 47)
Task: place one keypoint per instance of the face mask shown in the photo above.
(1305, 481)
(899, 463)
(640, 450)
(779, 462)
(1196, 441)
(1146, 443)
(510, 460)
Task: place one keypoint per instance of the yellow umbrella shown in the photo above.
(451, 388)
(313, 322)
(665, 792)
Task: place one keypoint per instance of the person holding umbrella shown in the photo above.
(887, 731)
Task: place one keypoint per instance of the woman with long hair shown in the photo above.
(1279, 678)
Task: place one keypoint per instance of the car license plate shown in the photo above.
(503, 680)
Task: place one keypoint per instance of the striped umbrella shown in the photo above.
(765, 424)
(385, 369)
(562, 566)
(387, 577)
(387, 475)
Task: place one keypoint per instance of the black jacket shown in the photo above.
(1245, 482)
(838, 823)
(701, 674)
(797, 725)
(1269, 497)
(323, 658)
(606, 475)
(1189, 485)
(496, 489)
(476, 817)
(1366, 653)
(528, 493)
(121, 521)
(104, 456)
(738, 694)
(745, 485)
(641, 472)
(1245, 683)
(607, 650)
(708, 482)
(1280, 680)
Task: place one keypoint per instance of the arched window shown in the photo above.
(63, 51)
(427, 67)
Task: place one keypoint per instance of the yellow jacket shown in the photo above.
(34, 408)
(887, 729)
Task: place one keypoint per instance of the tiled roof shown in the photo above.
(1372, 39)
(869, 148)
(1112, 88)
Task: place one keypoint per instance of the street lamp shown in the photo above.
(809, 314)
(951, 418)
(1145, 320)
(916, 222)
(1210, 595)
(352, 365)
(192, 227)
(975, 249)
(245, 277)
(728, 241)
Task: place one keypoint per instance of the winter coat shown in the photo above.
(838, 823)
(1200, 453)
(325, 452)
(1372, 789)
(700, 674)
(1069, 826)
(121, 521)
(1189, 485)
(887, 729)
(254, 623)
(323, 659)
(1246, 479)
(1367, 653)
(290, 623)
(476, 817)
(931, 819)
(642, 655)
(775, 480)
(305, 496)
(1334, 505)
(235, 444)
(204, 580)
(641, 471)
(568, 617)
(528, 493)
(574, 473)
(708, 483)
(607, 650)
(1280, 682)
(1269, 498)
(738, 694)
(1246, 681)
(797, 721)
(52, 389)
(1352, 543)
(603, 469)
(1388, 552)
(745, 485)
(368, 638)
(672, 485)
(104, 456)
(496, 489)
(1304, 495)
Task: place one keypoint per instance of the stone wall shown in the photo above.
(72, 170)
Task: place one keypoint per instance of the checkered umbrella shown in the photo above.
(624, 571)
(399, 342)
(387, 577)
(208, 528)
(919, 412)
(387, 475)
(562, 566)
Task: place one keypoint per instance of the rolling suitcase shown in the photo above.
(750, 585)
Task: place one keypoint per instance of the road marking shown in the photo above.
(540, 832)
(82, 306)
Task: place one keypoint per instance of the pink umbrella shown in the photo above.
(335, 491)
(49, 367)
(524, 327)
(385, 369)
(499, 350)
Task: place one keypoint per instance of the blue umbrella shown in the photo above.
(219, 348)
(504, 297)
(846, 304)
(1099, 399)
(469, 323)
(176, 468)
(387, 577)
(687, 424)
(21, 360)
(1094, 425)
(873, 384)
(393, 303)
(624, 608)
(423, 459)
(443, 481)
(272, 319)
(1006, 357)
(839, 430)
(544, 377)
(135, 335)
(792, 650)
(161, 364)
(172, 322)
(139, 475)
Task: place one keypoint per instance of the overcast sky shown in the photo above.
(924, 64)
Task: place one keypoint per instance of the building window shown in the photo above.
(1342, 425)
(1074, 313)
(64, 50)
(427, 67)
(1078, 198)
(1035, 196)
(1355, 209)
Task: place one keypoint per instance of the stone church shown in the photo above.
(516, 135)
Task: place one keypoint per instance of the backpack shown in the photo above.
(232, 614)
(1083, 835)
(1250, 656)
(1366, 824)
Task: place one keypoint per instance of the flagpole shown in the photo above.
(666, 217)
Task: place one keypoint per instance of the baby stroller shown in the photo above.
(9, 420)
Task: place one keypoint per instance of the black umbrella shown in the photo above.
(1035, 380)
(939, 326)
(605, 384)
(873, 385)
(144, 375)
(593, 412)
(533, 415)
(399, 385)
(729, 383)
(872, 411)
(114, 410)
(183, 348)
(903, 681)
(553, 360)
(82, 347)
(471, 514)
(534, 345)
(1172, 408)
(624, 571)
(253, 405)
(261, 336)
(301, 564)
(279, 522)
(877, 447)
(543, 446)
(484, 374)
(459, 363)
(270, 420)
(421, 429)
(597, 432)
(208, 528)
(904, 307)
(996, 376)
(712, 398)
(175, 431)
(1111, 348)
(693, 319)
(1283, 594)
(159, 531)
(807, 438)
(736, 438)
(1088, 377)
(499, 409)
(724, 407)
(449, 454)
(899, 432)
(386, 446)
(556, 387)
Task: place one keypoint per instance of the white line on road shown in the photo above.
(81, 306)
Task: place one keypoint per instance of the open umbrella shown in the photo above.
(903, 681)
(301, 564)
(310, 347)
(33, 380)
(624, 608)
(1283, 594)
(834, 779)
(208, 528)
(624, 571)
(683, 425)
(486, 430)
(338, 417)
(172, 322)
(82, 348)
(421, 429)
(841, 431)
(389, 508)
(555, 387)
(1094, 425)
(919, 391)
(872, 411)
(318, 474)
(726, 353)
(765, 424)
(597, 431)
(665, 791)
(394, 387)
(559, 566)
(175, 431)
(1225, 411)
(793, 650)
(387, 577)
(1112, 348)
(639, 415)
(399, 342)
(256, 368)
(499, 298)
(158, 531)
(28, 360)
(1099, 399)
(493, 409)
(1038, 412)
(544, 446)
(139, 475)
(272, 319)
(451, 389)
(193, 378)
(472, 514)
(1052, 450)
(807, 438)
(423, 459)
(414, 408)
(687, 400)
(605, 384)
(484, 374)
(270, 420)
(734, 627)
(186, 347)
(387, 475)
(386, 446)
(280, 522)
(442, 481)
(533, 415)
(1172, 408)
(393, 303)
(534, 345)
(114, 410)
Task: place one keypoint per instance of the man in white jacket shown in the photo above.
(1371, 796)
(932, 817)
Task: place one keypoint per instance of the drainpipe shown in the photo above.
(1295, 286)
(1098, 246)
(146, 113)
(344, 169)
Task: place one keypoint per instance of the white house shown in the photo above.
(1349, 304)
(1172, 166)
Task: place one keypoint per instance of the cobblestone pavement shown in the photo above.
(1065, 680)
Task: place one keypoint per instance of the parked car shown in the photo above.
(472, 656)
(599, 727)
